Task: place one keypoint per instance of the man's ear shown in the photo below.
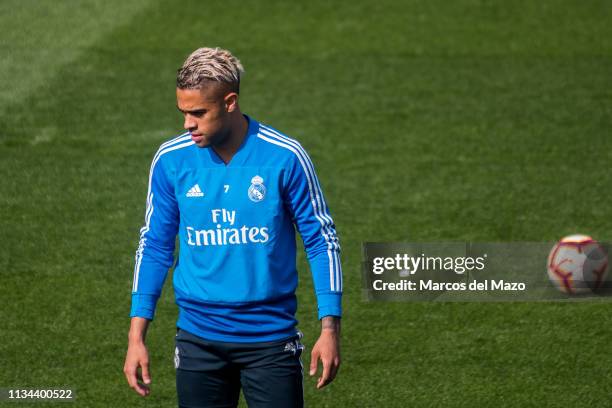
(231, 101)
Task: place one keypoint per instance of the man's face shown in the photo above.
(206, 113)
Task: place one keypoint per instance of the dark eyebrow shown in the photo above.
(192, 111)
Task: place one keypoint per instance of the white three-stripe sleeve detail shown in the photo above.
(165, 148)
(310, 166)
(160, 151)
(338, 272)
(320, 200)
(319, 195)
(313, 202)
(308, 161)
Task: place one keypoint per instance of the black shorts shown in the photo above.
(211, 374)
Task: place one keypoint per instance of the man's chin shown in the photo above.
(200, 141)
(203, 143)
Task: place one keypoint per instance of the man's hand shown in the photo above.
(327, 348)
(138, 357)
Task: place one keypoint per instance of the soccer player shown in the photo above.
(234, 191)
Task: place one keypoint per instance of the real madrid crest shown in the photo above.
(257, 191)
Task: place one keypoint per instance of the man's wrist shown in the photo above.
(330, 324)
(138, 330)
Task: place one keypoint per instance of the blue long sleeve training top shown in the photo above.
(236, 276)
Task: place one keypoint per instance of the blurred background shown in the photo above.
(426, 120)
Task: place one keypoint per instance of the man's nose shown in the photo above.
(189, 122)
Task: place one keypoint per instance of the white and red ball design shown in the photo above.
(577, 264)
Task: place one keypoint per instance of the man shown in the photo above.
(234, 190)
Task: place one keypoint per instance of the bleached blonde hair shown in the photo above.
(206, 65)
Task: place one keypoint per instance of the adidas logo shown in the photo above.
(195, 192)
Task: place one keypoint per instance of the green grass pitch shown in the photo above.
(426, 120)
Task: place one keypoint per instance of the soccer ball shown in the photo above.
(577, 264)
